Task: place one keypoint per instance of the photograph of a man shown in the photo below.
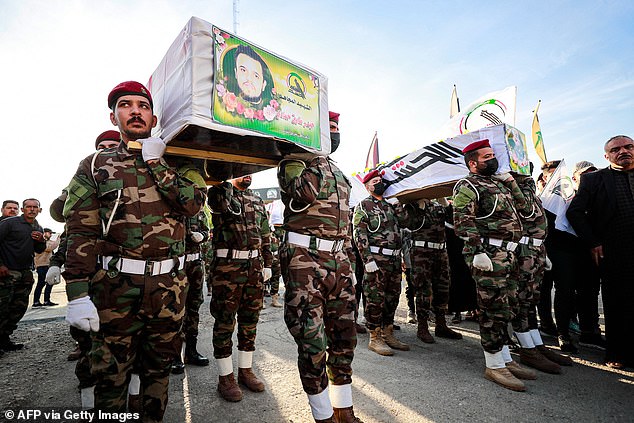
(248, 76)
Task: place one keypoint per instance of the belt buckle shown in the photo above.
(149, 268)
(249, 256)
(336, 245)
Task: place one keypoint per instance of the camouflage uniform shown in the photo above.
(378, 237)
(277, 235)
(130, 213)
(320, 297)
(531, 257)
(240, 230)
(485, 214)
(430, 263)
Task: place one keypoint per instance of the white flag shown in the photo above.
(557, 195)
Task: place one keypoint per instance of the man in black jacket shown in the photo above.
(602, 214)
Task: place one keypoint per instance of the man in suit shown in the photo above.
(602, 214)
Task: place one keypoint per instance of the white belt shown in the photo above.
(384, 251)
(536, 242)
(434, 245)
(507, 245)
(274, 253)
(320, 244)
(142, 267)
(237, 254)
(192, 257)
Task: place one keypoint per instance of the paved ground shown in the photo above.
(442, 382)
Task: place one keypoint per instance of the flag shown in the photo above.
(491, 109)
(557, 195)
(373, 153)
(454, 107)
(538, 140)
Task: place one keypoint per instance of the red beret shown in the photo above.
(371, 174)
(476, 146)
(108, 135)
(128, 88)
(333, 116)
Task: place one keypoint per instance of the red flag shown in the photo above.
(373, 153)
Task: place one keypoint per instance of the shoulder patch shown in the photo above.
(463, 196)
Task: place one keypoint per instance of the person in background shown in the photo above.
(42, 263)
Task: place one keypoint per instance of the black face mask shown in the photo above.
(379, 188)
(334, 141)
(244, 184)
(490, 167)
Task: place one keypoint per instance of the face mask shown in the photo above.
(379, 188)
(334, 141)
(490, 167)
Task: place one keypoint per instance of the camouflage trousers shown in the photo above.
(14, 299)
(497, 297)
(319, 312)
(531, 262)
(194, 271)
(431, 281)
(139, 317)
(277, 273)
(237, 293)
(382, 291)
(82, 367)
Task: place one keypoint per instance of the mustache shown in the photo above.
(135, 119)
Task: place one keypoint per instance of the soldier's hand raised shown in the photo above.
(152, 148)
(482, 262)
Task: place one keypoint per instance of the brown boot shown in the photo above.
(247, 378)
(423, 332)
(391, 341)
(330, 419)
(533, 358)
(275, 300)
(377, 344)
(521, 372)
(504, 378)
(229, 389)
(442, 330)
(346, 415)
(554, 356)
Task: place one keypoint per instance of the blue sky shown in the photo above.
(390, 65)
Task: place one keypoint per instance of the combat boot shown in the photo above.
(229, 389)
(275, 301)
(377, 344)
(533, 358)
(554, 356)
(505, 378)
(520, 372)
(391, 341)
(178, 367)
(192, 356)
(442, 330)
(346, 415)
(423, 332)
(246, 376)
(330, 419)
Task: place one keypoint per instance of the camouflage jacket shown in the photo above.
(426, 224)
(486, 207)
(376, 223)
(316, 200)
(534, 223)
(148, 219)
(240, 221)
(197, 223)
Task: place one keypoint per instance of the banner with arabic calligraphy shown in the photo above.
(257, 90)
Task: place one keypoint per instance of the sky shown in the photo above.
(390, 66)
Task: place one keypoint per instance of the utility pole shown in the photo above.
(235, 17)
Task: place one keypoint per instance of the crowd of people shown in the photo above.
(139, 226)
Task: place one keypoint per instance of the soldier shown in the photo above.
(196, 234)
(20, 238)
(242, 244)
(485, 217)
(320, 298)
(532, 261)
(378, 238)
(430, 265)
(277, 234)
(125, 211)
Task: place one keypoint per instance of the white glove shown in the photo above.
(549, 264)
(53, 275)
(197, 237)
(267, 272)
(422, 203)
(153, 148)
(504, 177)
(483, 262)
(371, 267)
(83, 315)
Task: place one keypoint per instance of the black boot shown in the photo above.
(192, 356)
(177, 366)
